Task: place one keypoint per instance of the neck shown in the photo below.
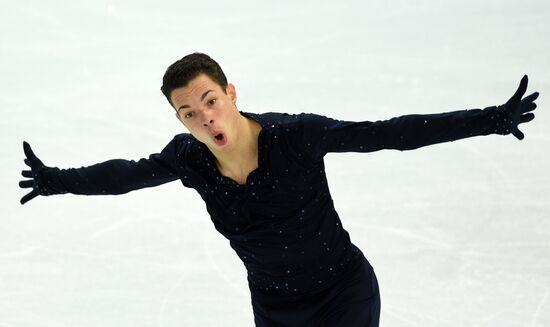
(244, 158)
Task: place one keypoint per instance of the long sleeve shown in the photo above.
(322, 134)
(117, 176)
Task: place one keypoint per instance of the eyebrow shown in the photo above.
(202, 98)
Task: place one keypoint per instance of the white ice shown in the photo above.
(458, 233)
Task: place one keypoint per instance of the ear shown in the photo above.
(230, 90)
(178, 116)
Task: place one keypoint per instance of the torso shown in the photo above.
(276, 212)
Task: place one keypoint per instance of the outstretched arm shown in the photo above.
(323, 134)
(116, 176)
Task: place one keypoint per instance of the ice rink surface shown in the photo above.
(458, 233)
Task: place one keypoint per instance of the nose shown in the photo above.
(206, 118)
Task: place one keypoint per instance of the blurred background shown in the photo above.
(458, 233)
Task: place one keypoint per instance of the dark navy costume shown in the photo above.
(303, 270)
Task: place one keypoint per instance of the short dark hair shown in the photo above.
(180, 73)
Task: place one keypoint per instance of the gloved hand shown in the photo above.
(37, 167)
(516, 110)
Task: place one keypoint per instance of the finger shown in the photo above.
(28, 197)
(26, 173)
(522, 88)
(529, 107)
(27, 162)
(26, 184)
(28, 151)
(518, 134)
(527, 117)
(531, 97)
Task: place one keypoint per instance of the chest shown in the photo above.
(241, 173)
(280, 192)
(275, 185)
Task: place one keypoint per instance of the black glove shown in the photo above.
(36, 173)
(516, 110)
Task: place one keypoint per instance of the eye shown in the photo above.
(211, 102)
(188, 115)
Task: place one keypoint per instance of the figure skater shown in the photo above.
(263, 180)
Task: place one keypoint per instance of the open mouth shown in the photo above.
(220, 139)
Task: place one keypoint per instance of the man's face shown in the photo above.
(209, 114)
